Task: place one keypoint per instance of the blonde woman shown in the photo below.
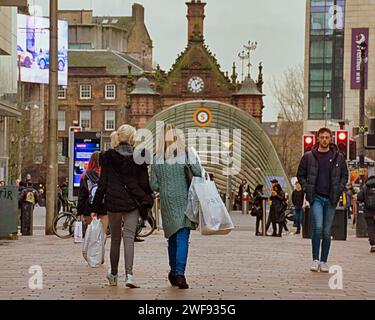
(168, 178)
(124, 186)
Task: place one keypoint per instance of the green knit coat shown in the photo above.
(169, 180)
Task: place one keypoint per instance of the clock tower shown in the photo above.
(197, 75)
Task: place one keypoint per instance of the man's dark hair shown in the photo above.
(325, 130)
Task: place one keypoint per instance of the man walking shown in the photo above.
(323, 175)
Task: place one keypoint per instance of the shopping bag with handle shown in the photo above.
(93, 245)
(214, 218)
(78, 236)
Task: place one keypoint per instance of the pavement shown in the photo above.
(237, 266)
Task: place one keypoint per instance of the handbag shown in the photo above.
(255, 211)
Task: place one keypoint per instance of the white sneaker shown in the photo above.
(112, 279)
(324, 267)
(130, 281)
(314, 266)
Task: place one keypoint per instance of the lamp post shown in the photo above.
(228, 145)
(52, 122)
(362, 129)
(325, 109)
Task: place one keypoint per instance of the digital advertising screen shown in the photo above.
(33, 49)
(83, 149)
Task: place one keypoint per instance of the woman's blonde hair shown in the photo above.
(168, 137)
(124, 134)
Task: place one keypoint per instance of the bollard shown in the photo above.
(245, 203)
(27, 217)
(264, 217)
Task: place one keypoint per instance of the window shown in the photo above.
(110, 120)
(61, 92)
(85, 119)
(85, 91)
(61, 121)
(60, 157)
(110, 91)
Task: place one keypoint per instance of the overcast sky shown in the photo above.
(278, 26)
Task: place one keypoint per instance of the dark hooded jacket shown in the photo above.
(362, 195)
(308, 171)
(118, 168)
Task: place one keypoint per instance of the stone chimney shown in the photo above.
(138, 13)
(195, 18)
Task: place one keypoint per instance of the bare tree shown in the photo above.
(288, 90)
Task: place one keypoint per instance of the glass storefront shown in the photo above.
(326, 59)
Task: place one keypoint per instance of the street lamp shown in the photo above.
(228, 145)
(325, 108)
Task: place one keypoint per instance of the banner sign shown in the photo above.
(358, 36)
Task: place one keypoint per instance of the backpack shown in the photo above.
(370, 198)
(92, 186)
(30, 196)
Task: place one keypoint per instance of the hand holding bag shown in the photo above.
(78, 237)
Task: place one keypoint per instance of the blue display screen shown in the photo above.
(83, 149)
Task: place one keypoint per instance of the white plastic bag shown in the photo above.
(214, 218)
(93, 245)
(192, 210)
(78, 237)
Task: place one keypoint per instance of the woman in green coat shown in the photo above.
(168, 178)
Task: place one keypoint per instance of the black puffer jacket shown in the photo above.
(362, 196)
(308, 173)
(118, 168)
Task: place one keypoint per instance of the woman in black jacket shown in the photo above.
(87, 188)
(124, 186)
(257, 204)
(277, 209)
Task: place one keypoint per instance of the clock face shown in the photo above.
(196, 84)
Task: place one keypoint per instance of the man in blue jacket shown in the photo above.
(323, 175)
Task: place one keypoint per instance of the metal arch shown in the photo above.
(257, 148)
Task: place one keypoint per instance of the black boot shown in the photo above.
(181, 282)
(172, 279)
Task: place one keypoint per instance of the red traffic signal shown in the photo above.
(308, 142)
(342, 140)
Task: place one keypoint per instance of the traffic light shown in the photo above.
(352, 150)
(342, 140)
(308, 142)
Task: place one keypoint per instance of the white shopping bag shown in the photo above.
(78, 237)
(214, 218)
(93, 245)
(192, 210)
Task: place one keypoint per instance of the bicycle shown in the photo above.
(145, 227)
(63, 223)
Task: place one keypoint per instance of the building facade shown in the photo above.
(196, 75)
(8, 85)
(333, 29)
(123, 34)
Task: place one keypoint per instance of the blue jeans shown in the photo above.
(298, 218)
(178, 247)
(322, 214)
